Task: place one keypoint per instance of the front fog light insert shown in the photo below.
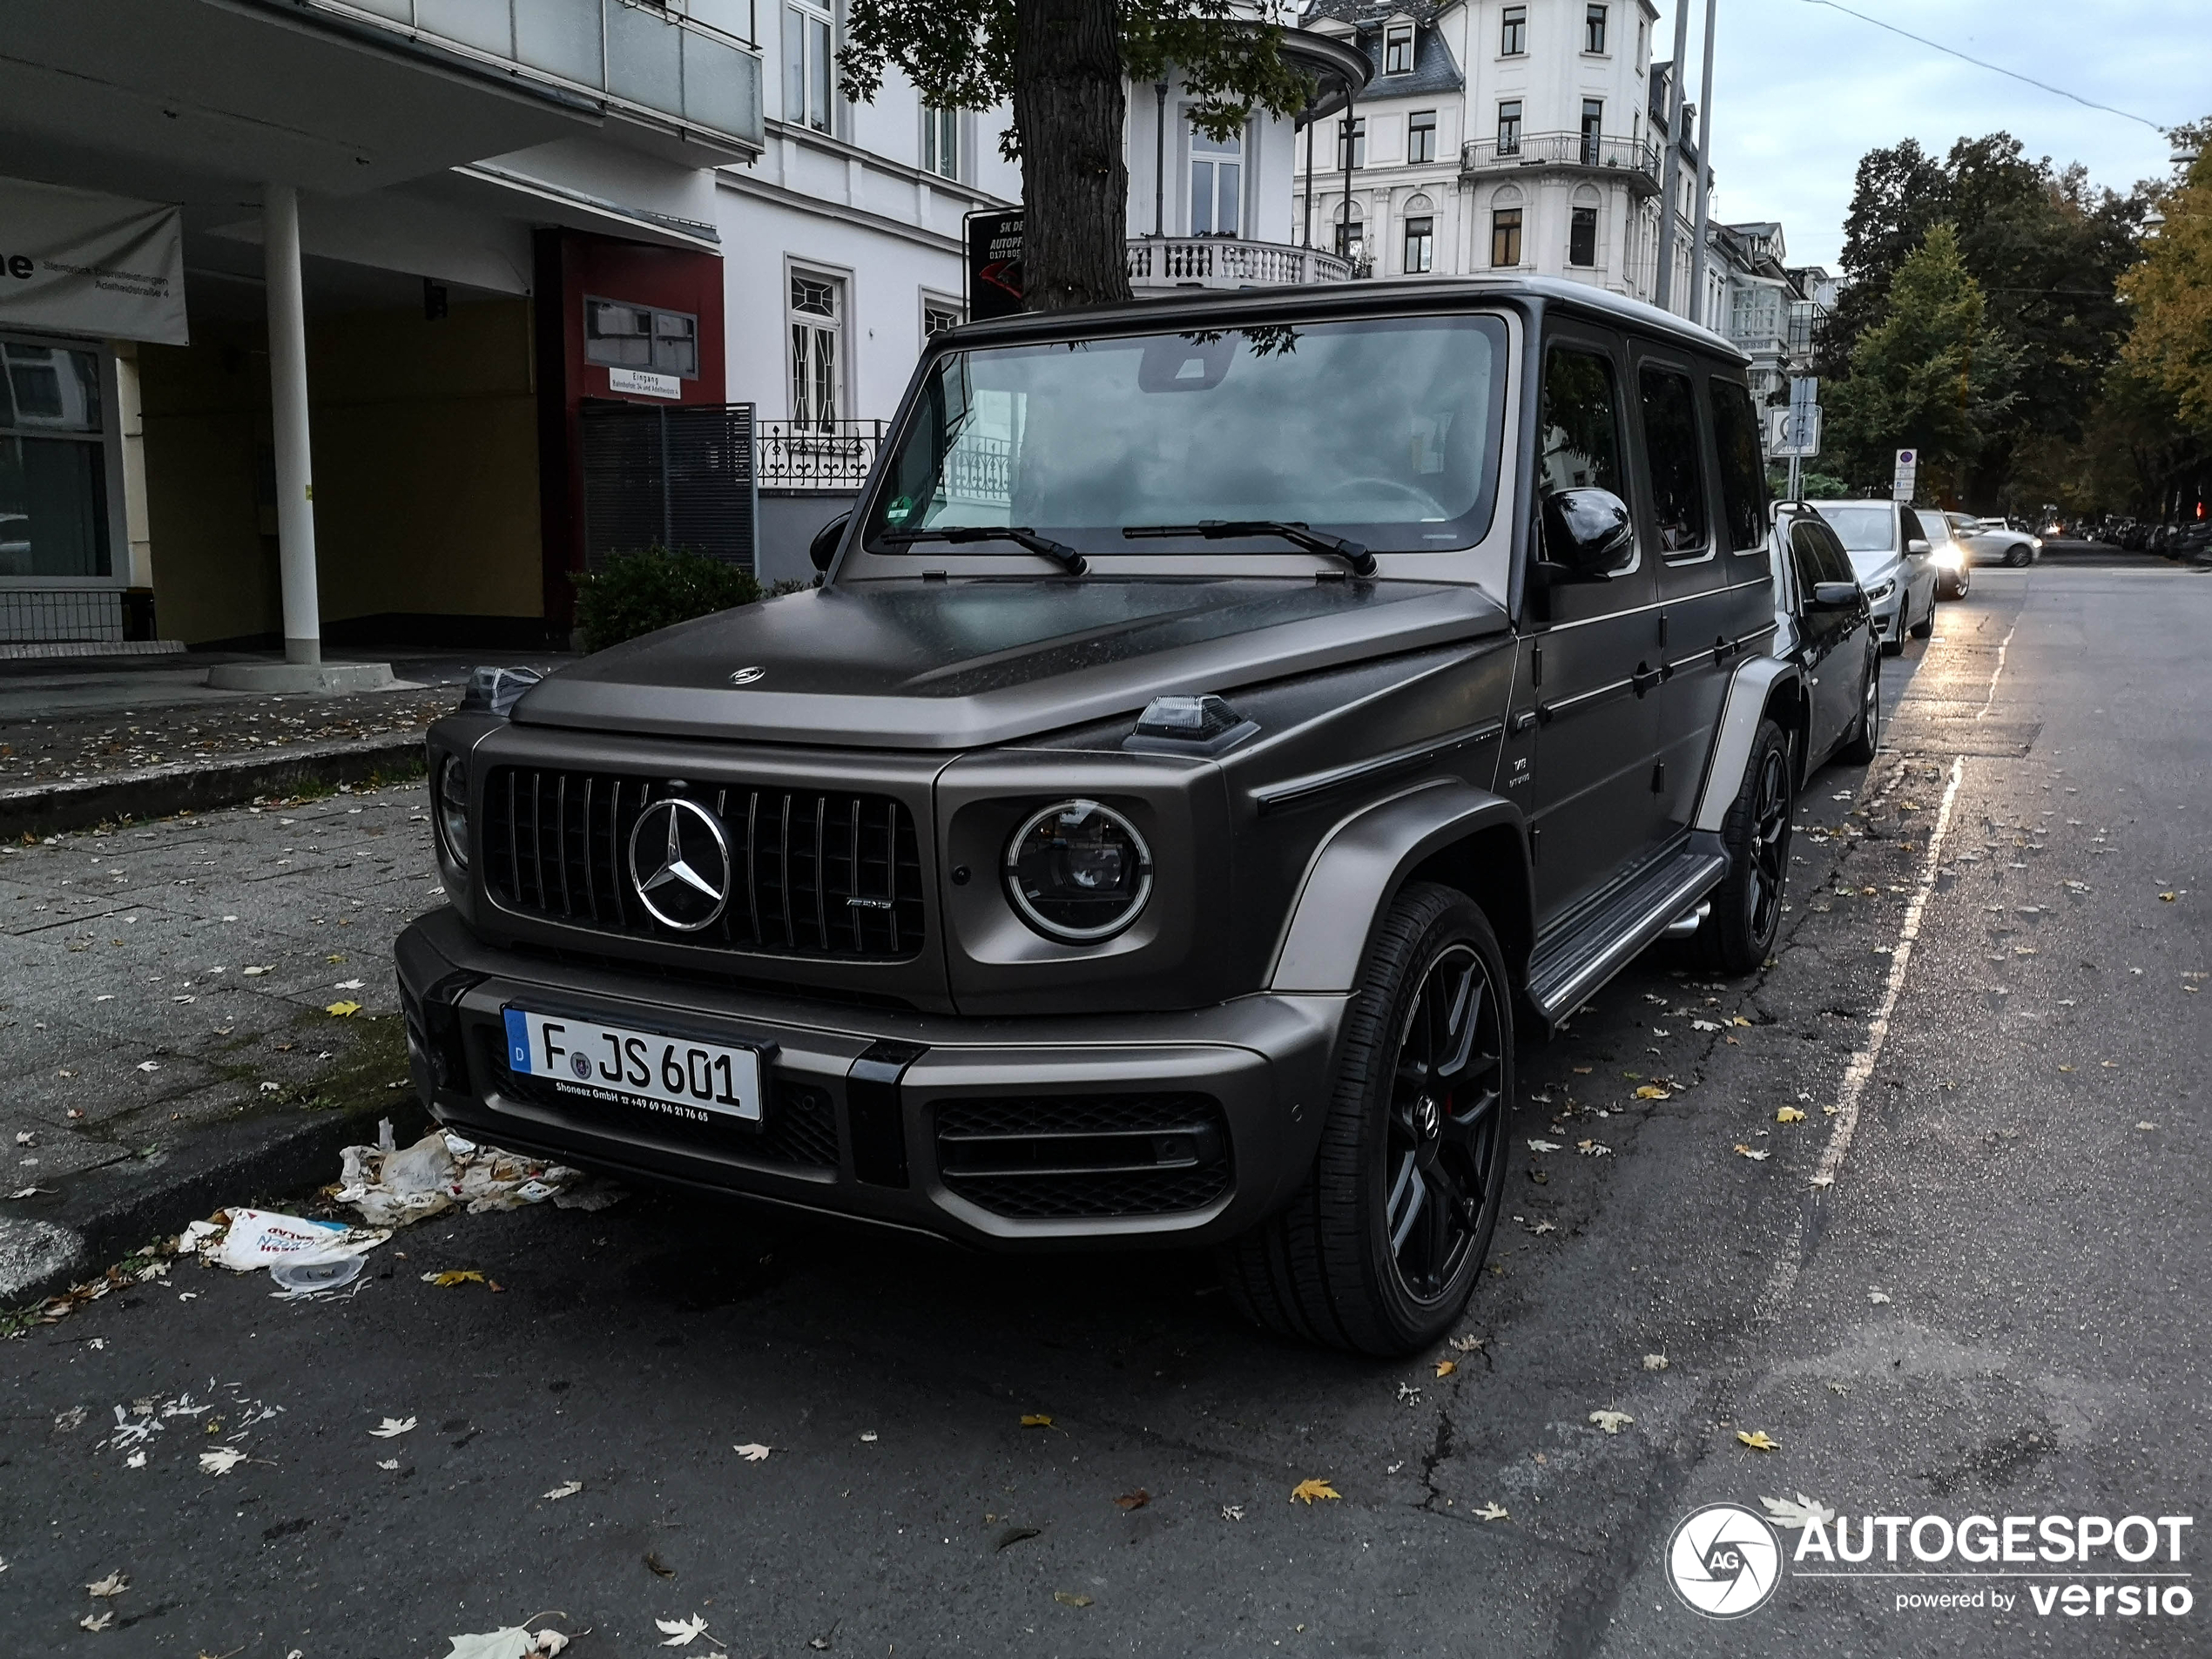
(1078, 872)
(453, 808)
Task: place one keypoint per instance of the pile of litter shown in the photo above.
(391, 1187)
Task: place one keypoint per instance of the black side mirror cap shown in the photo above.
(1835, 596)
(822, 550)
(1589, 533)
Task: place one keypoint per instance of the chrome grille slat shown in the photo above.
(808, 895)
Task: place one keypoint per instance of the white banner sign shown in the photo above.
(74, 262)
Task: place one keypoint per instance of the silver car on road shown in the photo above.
(1892, 555)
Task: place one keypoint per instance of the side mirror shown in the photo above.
(822, 550)
(1589, 535)
(1834, 596)
(1918, 544)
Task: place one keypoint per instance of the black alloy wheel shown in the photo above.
(2018, 555)
(1383, 1243)
(1747, 906)
(1866, 741)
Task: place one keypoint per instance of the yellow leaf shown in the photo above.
(1308, 1489)
(2170, 897)
(1069, 1598)
(343, 1010)
(1790, 1114)
(1445, 1367)
(1652, 1091)
(1756, 1440)
(1744, 1151)
(1739, 1020)
(1035, 1419)
(454, 1276)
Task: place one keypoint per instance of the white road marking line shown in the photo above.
(1983, 712)
(1783, 1279)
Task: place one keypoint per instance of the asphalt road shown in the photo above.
(1992, 1304)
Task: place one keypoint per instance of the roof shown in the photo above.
(1321, 301)
(1434, 68)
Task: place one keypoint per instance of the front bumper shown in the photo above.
(1132, 1128)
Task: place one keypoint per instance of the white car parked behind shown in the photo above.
(1992, 541)
(1891, 556)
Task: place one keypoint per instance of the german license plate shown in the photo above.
(699, 1083)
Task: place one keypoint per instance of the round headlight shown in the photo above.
(453, 808)
(1078, 871)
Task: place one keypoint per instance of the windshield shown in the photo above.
(1933, 526)
(1384, 431)
(1861, 529)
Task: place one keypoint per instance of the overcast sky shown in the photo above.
(1803, 91)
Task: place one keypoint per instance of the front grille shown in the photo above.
(812, 874)
(799, 1124)
(1085, 1156)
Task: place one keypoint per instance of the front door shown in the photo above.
(1593, 813)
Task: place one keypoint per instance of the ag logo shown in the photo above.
(1724, 1561)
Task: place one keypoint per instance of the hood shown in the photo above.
(954, 664)
(1871, 567)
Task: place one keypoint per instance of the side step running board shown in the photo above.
(1566, 970)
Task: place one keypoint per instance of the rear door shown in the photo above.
(1593, 815)
(1832, 679)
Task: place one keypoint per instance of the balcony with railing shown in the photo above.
(1636, 159)
(829, 457)
(688, 68)
(1158, 263)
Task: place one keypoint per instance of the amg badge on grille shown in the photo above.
(679, 862)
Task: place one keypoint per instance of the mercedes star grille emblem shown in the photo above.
(679, 862)
(747, 676)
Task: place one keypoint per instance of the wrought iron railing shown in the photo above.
(1228, 262)
(818, 455)
(1637, 157)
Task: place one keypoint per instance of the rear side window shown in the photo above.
(1820, 557)
(1581, 423)
(1735, 434)
(1676, 460)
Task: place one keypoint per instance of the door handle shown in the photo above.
(1724, 648)
(1526, 720)
(1645, 678)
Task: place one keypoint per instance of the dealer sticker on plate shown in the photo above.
(700, 1083)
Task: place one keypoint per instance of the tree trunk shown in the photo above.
(1069, 108)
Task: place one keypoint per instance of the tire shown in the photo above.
(1925, 626)
(1382, 1247)
(2018, 555)
(1866, 740)
(1894, 642)
(1739, 932)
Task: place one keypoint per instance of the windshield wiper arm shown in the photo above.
(1021, 535)
(1215, 529)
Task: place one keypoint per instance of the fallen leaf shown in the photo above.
(1232, 1512)
(114, 1584)
(343, 1010)
(1307, 1490)
(1581, 1071)
(867, 1437)
(1611, 1422)
(1739, 1020)
(392, 1426)
(221, 1460)
(453, 1276)
(1655, 1362)
(2146, 1126)
(1704, 1025)
(1017, 1535)
(347, 985)
(1744, 1151)
(1135, 1500)
(1823, 1180)
(511, 1642)
(1757, 1440)
(549, 1643)
(659, 1569)
(1799, 1512)
(1492, 1511)
(1070, 1598)
(1543, 1146)
(680, 1632)
(387, 1463)
(1539, 1228)
(1445, 1367)
(752, 1451)
(1035, 1419)
(96, 1621)
(1594, 1148)
(566, 1489)
(2168, 897)
(1877, 1296)
(256, 973)
(1652, 1091)
(1790, 1114)
(1468, 1345)
(148, 1065)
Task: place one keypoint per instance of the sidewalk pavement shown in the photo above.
(166, 993)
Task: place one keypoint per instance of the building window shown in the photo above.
(53, 462)
(940, 142)
(1420, 136)
(1581, 237)
(807, 61)
(619, 335)
(1420, 244)
(1216, 178)
(938, 315)
(1351, 235)
(1593, 126)
(817, 350)
(1352, 144)
(1505, 237)
(1593, 28)
(1509, 127)
(1513, 35)
(1398, 50)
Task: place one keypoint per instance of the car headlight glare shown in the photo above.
(453, 808)
(1880, 591)
(1078, 872)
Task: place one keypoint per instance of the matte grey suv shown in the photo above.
(1226, 727)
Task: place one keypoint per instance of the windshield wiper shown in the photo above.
(1215, 529)
(1021, 535)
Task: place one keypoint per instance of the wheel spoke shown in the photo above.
(1408, 1194)
(1465, 1025)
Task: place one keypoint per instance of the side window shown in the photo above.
(1736, 433)
(1676, 460)
(1835, 564)
(1581, 423)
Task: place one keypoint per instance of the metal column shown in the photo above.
(1663, 280)
(295, 483)
(1705, 172)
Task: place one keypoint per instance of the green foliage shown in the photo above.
(2171, 293)
(638, 593)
